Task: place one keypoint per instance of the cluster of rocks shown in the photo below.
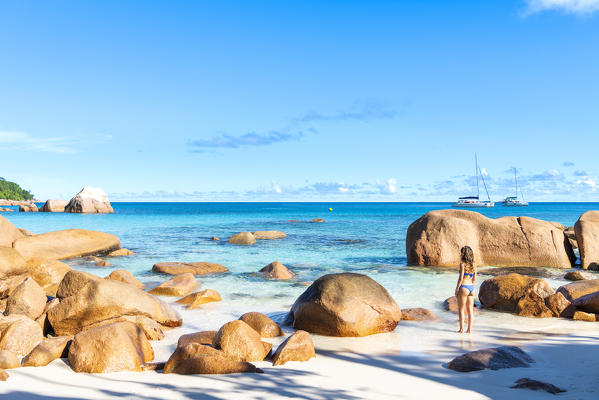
(88, 200)
(249, 238)
(534, 297)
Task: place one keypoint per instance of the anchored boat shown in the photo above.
(514, 201)
(475, 201)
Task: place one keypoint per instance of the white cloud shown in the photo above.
(387, 187)
(23, 141)
(579, 7)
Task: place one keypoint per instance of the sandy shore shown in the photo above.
(405, 364)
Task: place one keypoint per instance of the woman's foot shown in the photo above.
(461, 330)
(468, 331)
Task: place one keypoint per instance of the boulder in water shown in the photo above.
(574, 290)
(502, 293)
(180, 285)
(195, 300)
(89, 200)
(269, 235)
(54, 206)
(276, 270)
(586, 230)
(243, 239)
(196, 268)
(125, 276)
(265, 326)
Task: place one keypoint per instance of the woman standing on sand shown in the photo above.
(465, 288)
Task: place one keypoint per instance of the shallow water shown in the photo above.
(363, 237)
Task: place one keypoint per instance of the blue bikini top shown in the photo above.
(469, 274)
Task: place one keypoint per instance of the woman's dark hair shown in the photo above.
(467, 258)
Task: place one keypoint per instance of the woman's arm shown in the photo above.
(460, 279)
(475, 273)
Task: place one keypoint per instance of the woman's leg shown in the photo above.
(461, 307)
(470, 308)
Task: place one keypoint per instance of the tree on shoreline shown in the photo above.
(12, 191)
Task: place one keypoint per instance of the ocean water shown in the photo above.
(368, 238)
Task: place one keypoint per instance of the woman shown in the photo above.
(465, 288)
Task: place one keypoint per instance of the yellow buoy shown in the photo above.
(330, 209)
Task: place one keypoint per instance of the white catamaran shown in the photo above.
(475, 201)
(513, 201)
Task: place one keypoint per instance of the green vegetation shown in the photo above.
(12, 191)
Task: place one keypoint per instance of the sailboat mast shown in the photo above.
(476, 173)
(516, 179)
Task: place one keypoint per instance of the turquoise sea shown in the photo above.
(363, 237)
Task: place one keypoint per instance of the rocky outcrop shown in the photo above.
(8, 360)
(241, 342)
(120, 253)
(195, 300)
(125, 276)
(559, 305)
(121, 346)
(196, 268)
(588, 303)
(19, 334)
(27, 299)
(345, 304)
(195, 358)
(492, 358)
(586, 230)
(533, 305)
(276, 270)
(502, 293)
(268, 235)
(13, 270)
(265, 326)
(47, 273)
(243, 239)
(28, 208)
(417, 314)
(8, 232)
(180, 285)
(571, 235)
(437, 237)
(89, 200)
(86, 300)
(297, 347)
(47, 351)
(70, 243)
(317, 220)
(150, 328)
(574, 290)
(203, 337)
(54, 206)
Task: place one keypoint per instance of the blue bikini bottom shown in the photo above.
(469, 287)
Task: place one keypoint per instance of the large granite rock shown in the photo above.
(86, 300)
(89, 200)
(242, 238)
(180, 285)
(574, 290)
(8, 232)
(125, 276)
(8, 360)
(345, 304)
(586, 230)
(28, 208)
(27, 299)
(196, 268)
(54, 206)
(265, 326)
(47, 273)
(11, 263)
(19, 334)
(437, 237)
(297, 347)
(268, 235)
(492, 358)
(276, 270)
(203, 337)
(121, 346)
(196, 299)
(588, 303)
(241, 342)
(559, 305)
(58, 245)
(195, 358)
(502, 293)
(47, 351)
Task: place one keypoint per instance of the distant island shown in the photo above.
(12, 191)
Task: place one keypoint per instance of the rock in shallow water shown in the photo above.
(180, 285)
(491, 358)
(125, 276)
(533, 384)
(195, 300)
(89, 200)
(417, 314)
(265, 326)
(243, 239)
(586, 230)
(276, 270)
(577, 289)
(502, 293)
(196, 268)
(588, 303)
(574, 276)
(345, 304)
(269, 235)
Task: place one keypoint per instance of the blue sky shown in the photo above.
(311, 100)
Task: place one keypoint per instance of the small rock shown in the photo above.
(240, 341)
(47, 351)
(54, 206)
(215, 238)
(417, 314)
(533, 384)
(8, 360)
(196, 268)
(297, 347)
(451, 304)
(194, 300)
(195, 358)
(574, 276)
(269, 235)
(180, 285)
(532, 305)
(276, 270)
(583, 316)
(3, 375)
(317, 220)
(120, 253)
(243, 238)
(204, 337)
(491, 358)
(102, 263)
(125, 276)
(559, 305)
(265, 326)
